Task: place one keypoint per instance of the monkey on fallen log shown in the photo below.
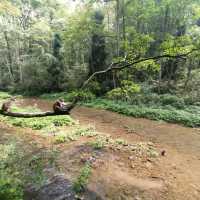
(7, 105)
(60, 107)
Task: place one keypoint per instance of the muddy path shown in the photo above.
(182, 146)
(118, 175)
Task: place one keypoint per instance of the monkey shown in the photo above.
(6, 105)
(59, 106)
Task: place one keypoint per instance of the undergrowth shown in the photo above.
(161, 113)
(39, 122)
(20, 167)
(82, 180)
(75, 134)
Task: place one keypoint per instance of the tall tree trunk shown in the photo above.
(189, 68)
(117, 26)
(124, 27)
(9, 55)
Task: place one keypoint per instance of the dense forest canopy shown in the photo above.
(54, 45)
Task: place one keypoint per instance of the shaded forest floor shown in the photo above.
(124, 155)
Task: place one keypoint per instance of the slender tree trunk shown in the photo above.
(124, 27)
(9, 55)
(160, 79)
(188, 74)
(117, 26)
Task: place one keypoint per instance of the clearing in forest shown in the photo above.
(98, 154)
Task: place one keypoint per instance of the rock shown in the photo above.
(131, 157)
(132, 165)
(148, 165)
(163, 153)
(57, 188)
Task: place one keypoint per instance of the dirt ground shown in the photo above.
(121, 175)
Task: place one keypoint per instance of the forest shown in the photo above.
(99, 99)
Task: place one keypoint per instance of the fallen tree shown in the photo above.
(112, 67)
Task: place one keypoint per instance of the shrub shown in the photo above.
(84, 95)
(10, 188)
(80, 184)
(10, 185)
(94, 87)
(172, 100)
(127, 90)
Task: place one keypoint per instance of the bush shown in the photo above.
(82, 180)
(172, 100)
(127, 90)
(84, 95)
(10, 185)
(94, 87)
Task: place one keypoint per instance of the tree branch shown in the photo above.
(112, 67)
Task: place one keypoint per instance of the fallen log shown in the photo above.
(30, 115)
(65, 111)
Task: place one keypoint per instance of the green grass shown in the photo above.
(28, 109)
(39, 123)
(185, 117)
(75, 134)
(82, 180)
(4, 95)
(19, 168)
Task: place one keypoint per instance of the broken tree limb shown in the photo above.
(112, 67)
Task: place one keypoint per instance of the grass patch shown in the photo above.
(75, 134)
(138, 148)
(39, 123)
(28, 109)
(82, 180)
(10, 183)
(100, 142)
(4, 95)
(19, 168)
(169, 115)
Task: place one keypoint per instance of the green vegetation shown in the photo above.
(145, 104)
(16, 172)
(139, 148)
(10, 183)
(40, 122)
(75, 134)
(4, 95)
(100, 142)
(69, 96)
(169, 114)
(82, 180)
(28, 109)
